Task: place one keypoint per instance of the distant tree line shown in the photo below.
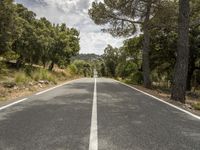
(167, 49)
(27, 39)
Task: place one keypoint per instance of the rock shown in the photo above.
(40, 85)
(31, 83)
(16, 88)
(188, 106)
(43, 82)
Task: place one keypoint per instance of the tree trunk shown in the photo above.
(181, 67)
(19, 62)
(51, 66)
(146, 49)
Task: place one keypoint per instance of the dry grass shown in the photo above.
(23, 83)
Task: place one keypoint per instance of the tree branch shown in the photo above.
(124, 19)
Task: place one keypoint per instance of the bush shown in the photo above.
(42, 74)
(125, 69)
(21, 77)
(73, 69)
(136, 78)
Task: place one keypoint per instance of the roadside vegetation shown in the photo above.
(34, 53)
(162, 50)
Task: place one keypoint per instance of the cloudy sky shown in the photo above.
(75, 14)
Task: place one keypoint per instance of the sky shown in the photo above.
(75, 14)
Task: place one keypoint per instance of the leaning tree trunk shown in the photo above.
(146, 49)
(181, 67)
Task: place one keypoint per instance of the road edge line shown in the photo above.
(14, 103)
(24, 99)
(93, 143)
(161, 100)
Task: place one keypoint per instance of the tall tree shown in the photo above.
(181, 67)
(124, 18)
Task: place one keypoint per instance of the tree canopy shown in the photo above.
(33, 40)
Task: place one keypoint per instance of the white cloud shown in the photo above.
(75, 14)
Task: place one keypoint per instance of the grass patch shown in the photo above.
(21, 78)
(41, 74)
(196, 106)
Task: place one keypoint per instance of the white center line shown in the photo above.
(93, 145)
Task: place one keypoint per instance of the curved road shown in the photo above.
(108, 116)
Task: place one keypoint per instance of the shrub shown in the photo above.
(21, 77)
(42, 74)
(125, 69)
(73, 69)
(136, 78)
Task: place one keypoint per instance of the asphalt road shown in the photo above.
(66, 118)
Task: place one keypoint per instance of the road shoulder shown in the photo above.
(24, 95)
(165, 99)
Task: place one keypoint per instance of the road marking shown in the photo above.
(42, 92)
(14, 103)
(93, 145)
(176, 107)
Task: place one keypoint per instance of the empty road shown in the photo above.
(96, 114)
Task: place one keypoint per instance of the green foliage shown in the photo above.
(136, 78)
(73, 69)
(125, 69)
(110, 57)
(81, 67)
(34, 41)
(65, 46)
(43, 74)
(7, 25)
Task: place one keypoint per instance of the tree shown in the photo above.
(7, 25)
(45, 39)
(111, 60)
(25, 41)
(194, 41)
(65, 45)
(181, 67)
(124, 17)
